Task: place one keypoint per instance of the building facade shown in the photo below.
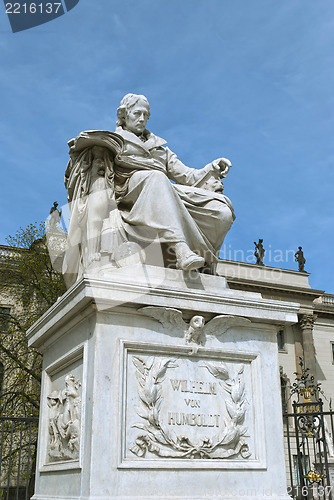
(312, 338)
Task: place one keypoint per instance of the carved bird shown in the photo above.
(197, 330)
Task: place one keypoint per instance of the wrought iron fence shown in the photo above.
(308, 434)
(18, 446)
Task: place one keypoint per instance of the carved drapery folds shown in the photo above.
(64, 421)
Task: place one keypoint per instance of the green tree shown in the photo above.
(30, 284)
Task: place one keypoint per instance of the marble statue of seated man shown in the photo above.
(191, 215)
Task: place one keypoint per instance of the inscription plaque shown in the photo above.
(181, 407)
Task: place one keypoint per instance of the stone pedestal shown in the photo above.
(140, 400)
(331, 471)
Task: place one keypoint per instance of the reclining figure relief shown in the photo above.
(119, 189)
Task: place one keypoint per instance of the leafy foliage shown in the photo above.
(30, 285)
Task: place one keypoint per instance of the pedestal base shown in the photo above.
(163, 387)
(331, 471)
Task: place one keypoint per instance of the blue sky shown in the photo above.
(251, 81)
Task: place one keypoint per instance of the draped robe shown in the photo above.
(138, 177)
(177, 212)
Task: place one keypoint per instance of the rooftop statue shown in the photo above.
(125, 177)
(259, 252)
(299, 257)
(55, 214)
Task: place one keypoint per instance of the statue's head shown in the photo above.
(133, 113)
(69, 380)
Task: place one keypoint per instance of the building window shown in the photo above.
(281, 340)
(332, 352)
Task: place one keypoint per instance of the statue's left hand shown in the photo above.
(223, 165)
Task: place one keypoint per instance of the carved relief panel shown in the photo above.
(65, 420)
(63, 412)
(183, 408)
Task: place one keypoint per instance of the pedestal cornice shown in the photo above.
(148, 285)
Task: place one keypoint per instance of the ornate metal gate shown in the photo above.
(308, 434)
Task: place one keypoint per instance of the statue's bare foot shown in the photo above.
(186, 260)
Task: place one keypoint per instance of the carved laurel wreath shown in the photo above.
(163, 441)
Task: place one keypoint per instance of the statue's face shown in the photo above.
(136, 117)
